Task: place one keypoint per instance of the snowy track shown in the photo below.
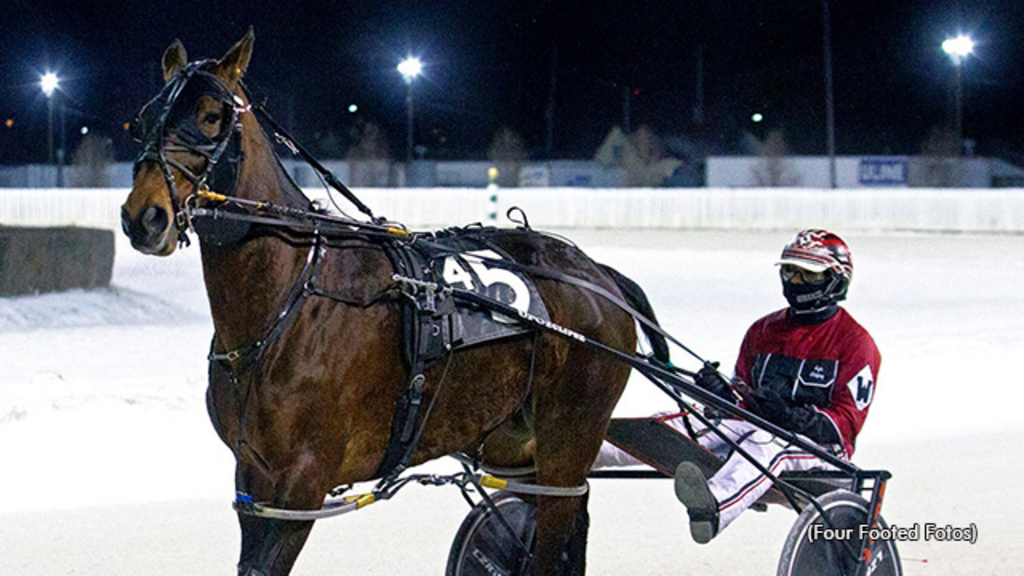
(108, 464)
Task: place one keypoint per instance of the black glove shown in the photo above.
(768, 404)
(709, 379)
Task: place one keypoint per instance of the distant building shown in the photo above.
(864, 172)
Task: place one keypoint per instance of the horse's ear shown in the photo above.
(174, 59)
(232, 66)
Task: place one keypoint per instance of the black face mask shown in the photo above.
(810, 303)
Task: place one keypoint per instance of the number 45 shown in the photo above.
(517, 295)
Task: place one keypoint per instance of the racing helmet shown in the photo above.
(822, 252)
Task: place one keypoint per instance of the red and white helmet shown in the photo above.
(822, 251)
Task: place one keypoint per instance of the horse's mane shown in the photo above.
(291, 193)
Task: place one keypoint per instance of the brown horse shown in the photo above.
(311, 407)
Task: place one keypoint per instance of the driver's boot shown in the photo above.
(693, 491)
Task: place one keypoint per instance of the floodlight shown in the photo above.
(49, 83)
(958, 48)
(410, 68)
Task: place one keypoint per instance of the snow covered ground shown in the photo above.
(108, 464)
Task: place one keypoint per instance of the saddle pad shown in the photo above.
(659, 445)
(469, 269)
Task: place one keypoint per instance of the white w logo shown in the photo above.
(862, 387)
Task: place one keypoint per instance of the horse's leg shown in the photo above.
(273, 545)
(571, 418)
(561, 543)
(269, 546)
(576, 549)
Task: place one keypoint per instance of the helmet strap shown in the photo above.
(813, 316)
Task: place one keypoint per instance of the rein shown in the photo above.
(331, 226)
(327, 175)
(280, 216)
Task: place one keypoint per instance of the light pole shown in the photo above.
(830, 114)
(49, 83)
(409, 68)
(958, 49)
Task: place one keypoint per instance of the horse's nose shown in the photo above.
(147, 228)
(154, 220)
(126, 222)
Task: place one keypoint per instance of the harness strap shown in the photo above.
(243, 358)
(324, 172)
(404, 440)
(327, 224)
(402, 443)
(343, 505)
(664, 378)
(588, 286)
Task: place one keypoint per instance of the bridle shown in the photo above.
(150, 128)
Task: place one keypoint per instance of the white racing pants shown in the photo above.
(738, 484)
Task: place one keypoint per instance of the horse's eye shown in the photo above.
(211, 118)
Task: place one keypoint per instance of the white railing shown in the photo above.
(961, 210)
(92, 207)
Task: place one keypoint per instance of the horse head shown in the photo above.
(190, 134)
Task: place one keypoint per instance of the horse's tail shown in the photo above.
(636, 298)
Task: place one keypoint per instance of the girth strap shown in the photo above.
(421, 304)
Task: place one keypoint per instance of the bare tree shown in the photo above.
(369, 160)
(940, 160)
(91, 161)
(371, 145)
(773, 170)
(644, 159)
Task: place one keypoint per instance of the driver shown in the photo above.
(809, 368)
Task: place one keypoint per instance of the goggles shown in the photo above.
(798, 275)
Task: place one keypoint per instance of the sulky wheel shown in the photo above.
(484, 546)
(814, 547)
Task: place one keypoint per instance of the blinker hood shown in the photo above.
(172, 111)
(169, 119)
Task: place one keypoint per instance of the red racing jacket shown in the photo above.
(831, 368)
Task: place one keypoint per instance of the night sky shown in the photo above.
(490, 65)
